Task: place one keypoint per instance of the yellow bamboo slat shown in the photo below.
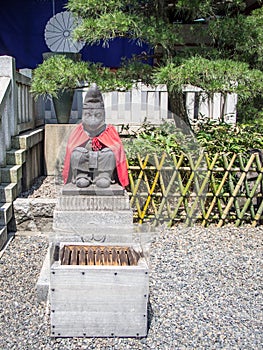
(250, 193)
(218, 190)
(167, 190)
(258, 215)
(163, 191)
(138, 182)
(186, 189)
(201, 190)
(247, 205)
(151, 188)
(235, 192)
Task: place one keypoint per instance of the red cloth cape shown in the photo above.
(110, 138)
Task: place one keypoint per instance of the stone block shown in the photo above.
(34, 214)
(78, 219)
(3, 236)
(42, 285)
(26, 209)
(11, 173)
(8, 192)
(99, 301)
(6, 213)
(28, 139)
(14, 157)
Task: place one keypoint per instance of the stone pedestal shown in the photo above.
(93, 215)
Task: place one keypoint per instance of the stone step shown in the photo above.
(11, 173)
(3, 236)
(6, 213)
(16, 157)
(8, 192)
(28, 139)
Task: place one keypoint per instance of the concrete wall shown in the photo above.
(56, 137)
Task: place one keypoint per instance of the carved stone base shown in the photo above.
(83, 221)
(81, 215)
(95, 234)
(91, 203)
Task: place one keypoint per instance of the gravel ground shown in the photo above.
(205, 290)
(205, 293)
(44, 187)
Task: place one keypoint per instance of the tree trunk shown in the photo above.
(177, 107)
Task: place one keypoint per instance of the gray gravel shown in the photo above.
(43, 187)
(205, 293)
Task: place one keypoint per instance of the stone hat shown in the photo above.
(93, 98)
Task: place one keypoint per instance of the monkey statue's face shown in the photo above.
(93, 120)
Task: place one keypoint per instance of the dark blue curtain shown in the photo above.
(22, 25)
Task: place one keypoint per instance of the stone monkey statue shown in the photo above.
(94, 149)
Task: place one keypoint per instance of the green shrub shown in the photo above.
(150, 139)
(225, 138)
(211, 138)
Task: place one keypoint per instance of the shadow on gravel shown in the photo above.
(150, 315)
(35, 186)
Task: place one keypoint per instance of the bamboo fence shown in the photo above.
(197, 188)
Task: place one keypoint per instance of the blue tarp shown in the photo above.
(22, 26)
